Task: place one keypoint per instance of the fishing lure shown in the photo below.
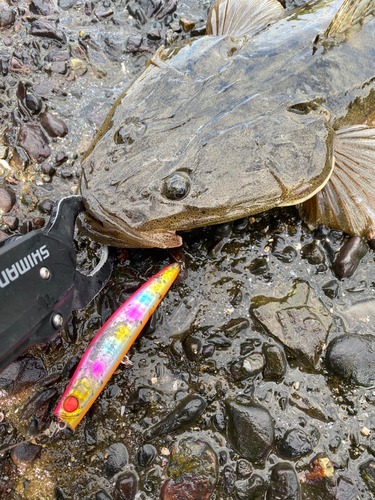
(110, 345)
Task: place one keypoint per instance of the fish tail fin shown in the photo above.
(350, 18)
(347, 201)
(239, 18)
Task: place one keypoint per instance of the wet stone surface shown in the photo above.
(242, 337)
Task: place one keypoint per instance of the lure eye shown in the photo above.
(176, 186)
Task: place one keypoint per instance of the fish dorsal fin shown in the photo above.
(347, 201)
(349, 19)
(239, 18)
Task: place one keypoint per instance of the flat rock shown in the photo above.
(32, 138)
(299, 321)
(352, 358)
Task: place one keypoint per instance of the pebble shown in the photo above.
(229, 479)
(25, 454)
(169, 7)
(284, 483)
(54, 126)
(11, 222)
(187, 411)
(346, 490)
(186, 24)
(58, 67)
(7, 16)
(32, 139)
(154, 34)
(41, 7)
(117, 458)
(313, 253)
(146, 455)
(7, 200)
(20, 159)
(294, 444)
(33, 102)
(349, 257)
(125, 487)
(78, 67)
(244, 468)
(250, 430)
(247, 367)
(252, 488)
(46, 397)
(331, 289)
(275, 362)
(320, 480)
(192, 471)
(352, 358)
(46, 206)
(133, 43)
(46, 30)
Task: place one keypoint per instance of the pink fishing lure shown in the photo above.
(110, 345)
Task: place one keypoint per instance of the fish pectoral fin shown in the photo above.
(350, 18)
(347, 201)
(239, 18)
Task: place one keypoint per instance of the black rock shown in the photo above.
(284, 483)
(39, 400)
(146, 455)
(46, 30)
(70, 367)
(250, 430)
(349, 257)
(117, 458)
(276, 364)
(22, 374)
(25, 453)
(331, 289)
(125, 487)
(313, 253)
(53, 378)
(33, 102)
(352, 358)
(294, 444)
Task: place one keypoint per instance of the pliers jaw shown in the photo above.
(39, 283)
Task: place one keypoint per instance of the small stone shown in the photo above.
(294, 444)
(43, 398)
(133, 43)
(54, 126)
(331, 289)
(78, 67)
(61, 157)
(244, 468)
(367, 471)
(313, 253)
(21, 374)
(252, 488)
(67, 4)
(352, 358)
(284, 483)
(11, 221)
(70, 367)
(58, 67)
(320, 480)
(125, 487)
(259, 266)
(346, 490)
(41, 7)
(117, 457)
(89, 8)
(192, 347)
(33, 102)
(25, 453)
(365, 431)
(154, 34)
(229, 479)
(186, 24)
(276, 365)
(7, 16)
(20, 158)
(192, 471)
(169, 7)
(349, 257)
(146, 455)
(48, 169)
(46, 30)
(250, 430)
(46, 206)
(247, 367)
(7, 200)
(32, 139)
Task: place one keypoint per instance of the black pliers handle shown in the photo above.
(39, 283)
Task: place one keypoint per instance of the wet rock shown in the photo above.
(275, 366)
(250, 489)
(137, 12)
(229, 479)
(349, 257)
(70, 367)
(192, 471)
(52, 378)
(259, 266)
(186, 24)
(192, 347)
(125, 487)
(78, 67)
(41, 7)
(11, 221)
(313, 253)
(32, 139)
(284, 483)
(234, 326)
(299, 321)
(287, 254)
(102, 495)
(154, 34)
(58, 67)
(169, 7)
(367, 471)
(244, 468)
(20, 159)
(352, 358)
(44, 89)
(187, 411)
(22, 374)
(7, 16)
(46, 206)
(331, 289)
(218, 420)
(46, 30)
(25, 453)
(133, 43)
(117, 457)
(320, 481)
(311, 407)
(146, 455)
(41, 399)
(247, 367)
(294, 444)
(54, 126)
(61, 157)
(346, 490)
(250, 430)
(7, 200)
(67, 4)
(90, 434)
(4, 63)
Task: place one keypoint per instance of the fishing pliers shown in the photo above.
(39, 283)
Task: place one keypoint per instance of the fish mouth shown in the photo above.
(115, 232)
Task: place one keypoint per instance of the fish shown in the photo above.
(109, 346)
(264, 111)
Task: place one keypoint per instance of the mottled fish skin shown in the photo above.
(249, 122)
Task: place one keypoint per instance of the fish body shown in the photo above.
(225, 127)
(109, 346)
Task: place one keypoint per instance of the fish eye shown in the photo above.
(124, 136)
(176, 186)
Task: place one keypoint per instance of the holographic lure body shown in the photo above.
(110, 345)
